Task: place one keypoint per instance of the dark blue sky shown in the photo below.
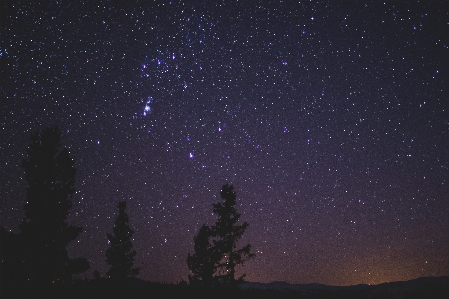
(331, 119)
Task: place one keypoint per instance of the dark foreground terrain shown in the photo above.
(428, 287)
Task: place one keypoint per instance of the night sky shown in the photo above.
(330, 118)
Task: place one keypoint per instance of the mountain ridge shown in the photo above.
(414, 286)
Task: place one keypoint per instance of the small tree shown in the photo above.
(216, 255)
(228, 233)
(45, 233)
(120, 255)
(203, 262)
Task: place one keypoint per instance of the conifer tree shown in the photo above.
(216, 255)
(120, 255)
(45, 233)
(203, 262)
(227, 233)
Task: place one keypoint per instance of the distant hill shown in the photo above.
(424, 287)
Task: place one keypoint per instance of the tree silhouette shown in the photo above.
(227, 233)
(120, 255)
(13, 271)
(203, 262)
(45, 233)
(216, 255)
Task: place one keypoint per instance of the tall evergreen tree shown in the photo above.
(120, 255)
(227, 233)
(45, 233)
(203, 262)
(13, 272)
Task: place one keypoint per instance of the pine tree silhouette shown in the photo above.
(227, 233)
(216, 255)
(45, 233)
(120, 255)
(203, 262)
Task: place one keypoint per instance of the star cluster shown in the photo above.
(331, 120)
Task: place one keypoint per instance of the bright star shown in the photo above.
(147, 109)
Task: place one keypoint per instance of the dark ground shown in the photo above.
(435, 287)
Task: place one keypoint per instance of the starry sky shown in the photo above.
(330, 118)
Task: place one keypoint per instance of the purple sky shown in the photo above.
(330, 119)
